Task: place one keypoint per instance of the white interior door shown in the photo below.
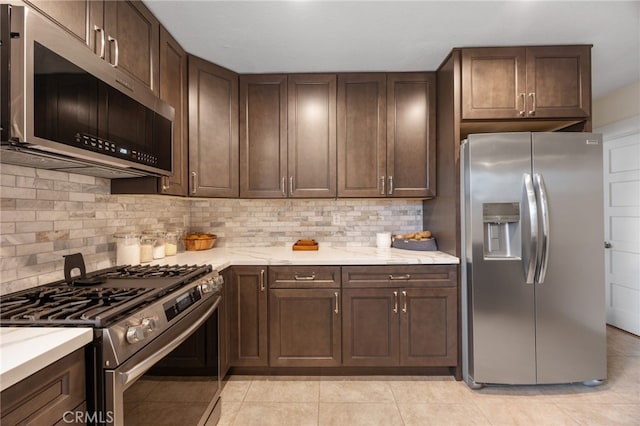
(622, 222)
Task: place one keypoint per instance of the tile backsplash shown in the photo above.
(47, 214)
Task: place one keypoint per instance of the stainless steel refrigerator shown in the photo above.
(533, 258)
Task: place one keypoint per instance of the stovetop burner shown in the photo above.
(96, 299)
(151, 271)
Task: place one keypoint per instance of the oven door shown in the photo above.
(134, 397)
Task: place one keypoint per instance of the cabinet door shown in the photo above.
(173, 89)
(132, 40)
(411, 114)
(304, 327)
(72, 15)
(370, 330)
(493, 83)
(213, 130)
(362, 135)
(263, 136)
(428, 327)
(312, 135)
(559, 81)
(248, 317)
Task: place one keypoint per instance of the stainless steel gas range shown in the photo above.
(140, 315)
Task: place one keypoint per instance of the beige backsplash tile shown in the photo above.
(47, 214)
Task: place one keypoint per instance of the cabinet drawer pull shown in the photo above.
(395, 302)
(262, 287)
(404, 277)
(533, 103)
(522, 97)
(305, 277)
(404, 302)
(336, 310)
(97, 30)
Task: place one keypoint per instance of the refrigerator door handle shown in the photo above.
(532, 211)
(541, 271)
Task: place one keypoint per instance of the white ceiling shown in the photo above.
(340, 36)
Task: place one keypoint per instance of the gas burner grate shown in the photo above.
(152, 271)
(72, 304)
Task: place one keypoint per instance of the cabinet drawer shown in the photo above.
(45, 396)
(304, 277)
(400, 276)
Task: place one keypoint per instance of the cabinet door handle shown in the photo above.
(395, 302)
(165, 183)
(404, 277)
(404, 302)
(523, 100)
(305, 277)
(97, 30)
(262, 286)
(290, 185)
(382, 181)
(115, 42)
(194, 182)
(533, 103)
(337, 310)
(284, 186)
(390, 185)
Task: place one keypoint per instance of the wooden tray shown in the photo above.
(305, 245)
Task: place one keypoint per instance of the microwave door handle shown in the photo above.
(531, 211)
(541, 271)
(139, 369)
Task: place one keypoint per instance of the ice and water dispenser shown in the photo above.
(501, 230)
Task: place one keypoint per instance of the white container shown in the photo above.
(383, 239)
(127, 248)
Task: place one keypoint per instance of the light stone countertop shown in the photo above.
(26, 350)
(223, 257)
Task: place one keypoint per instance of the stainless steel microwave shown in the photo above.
(62, 107)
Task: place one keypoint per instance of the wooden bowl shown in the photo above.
(196, 242)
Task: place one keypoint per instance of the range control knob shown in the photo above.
(208, 285)
(137, 333)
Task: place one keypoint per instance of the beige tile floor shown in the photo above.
(352, 401)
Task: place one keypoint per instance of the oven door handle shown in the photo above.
(139, 369)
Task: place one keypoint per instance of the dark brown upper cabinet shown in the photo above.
(263, 136)
(411, 127)
(549, 82)
(173, 90)
(311, 130)
(362, 134)
(213, 130)
(124, 33)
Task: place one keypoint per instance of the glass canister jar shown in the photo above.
(158, 246)
(171, 243)
(179, 232)
(147, 242)
(127, 248)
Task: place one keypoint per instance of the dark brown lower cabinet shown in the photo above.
(304, 327)
(304, 316)
(44, 397)
(400, 316)
(248, 342)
